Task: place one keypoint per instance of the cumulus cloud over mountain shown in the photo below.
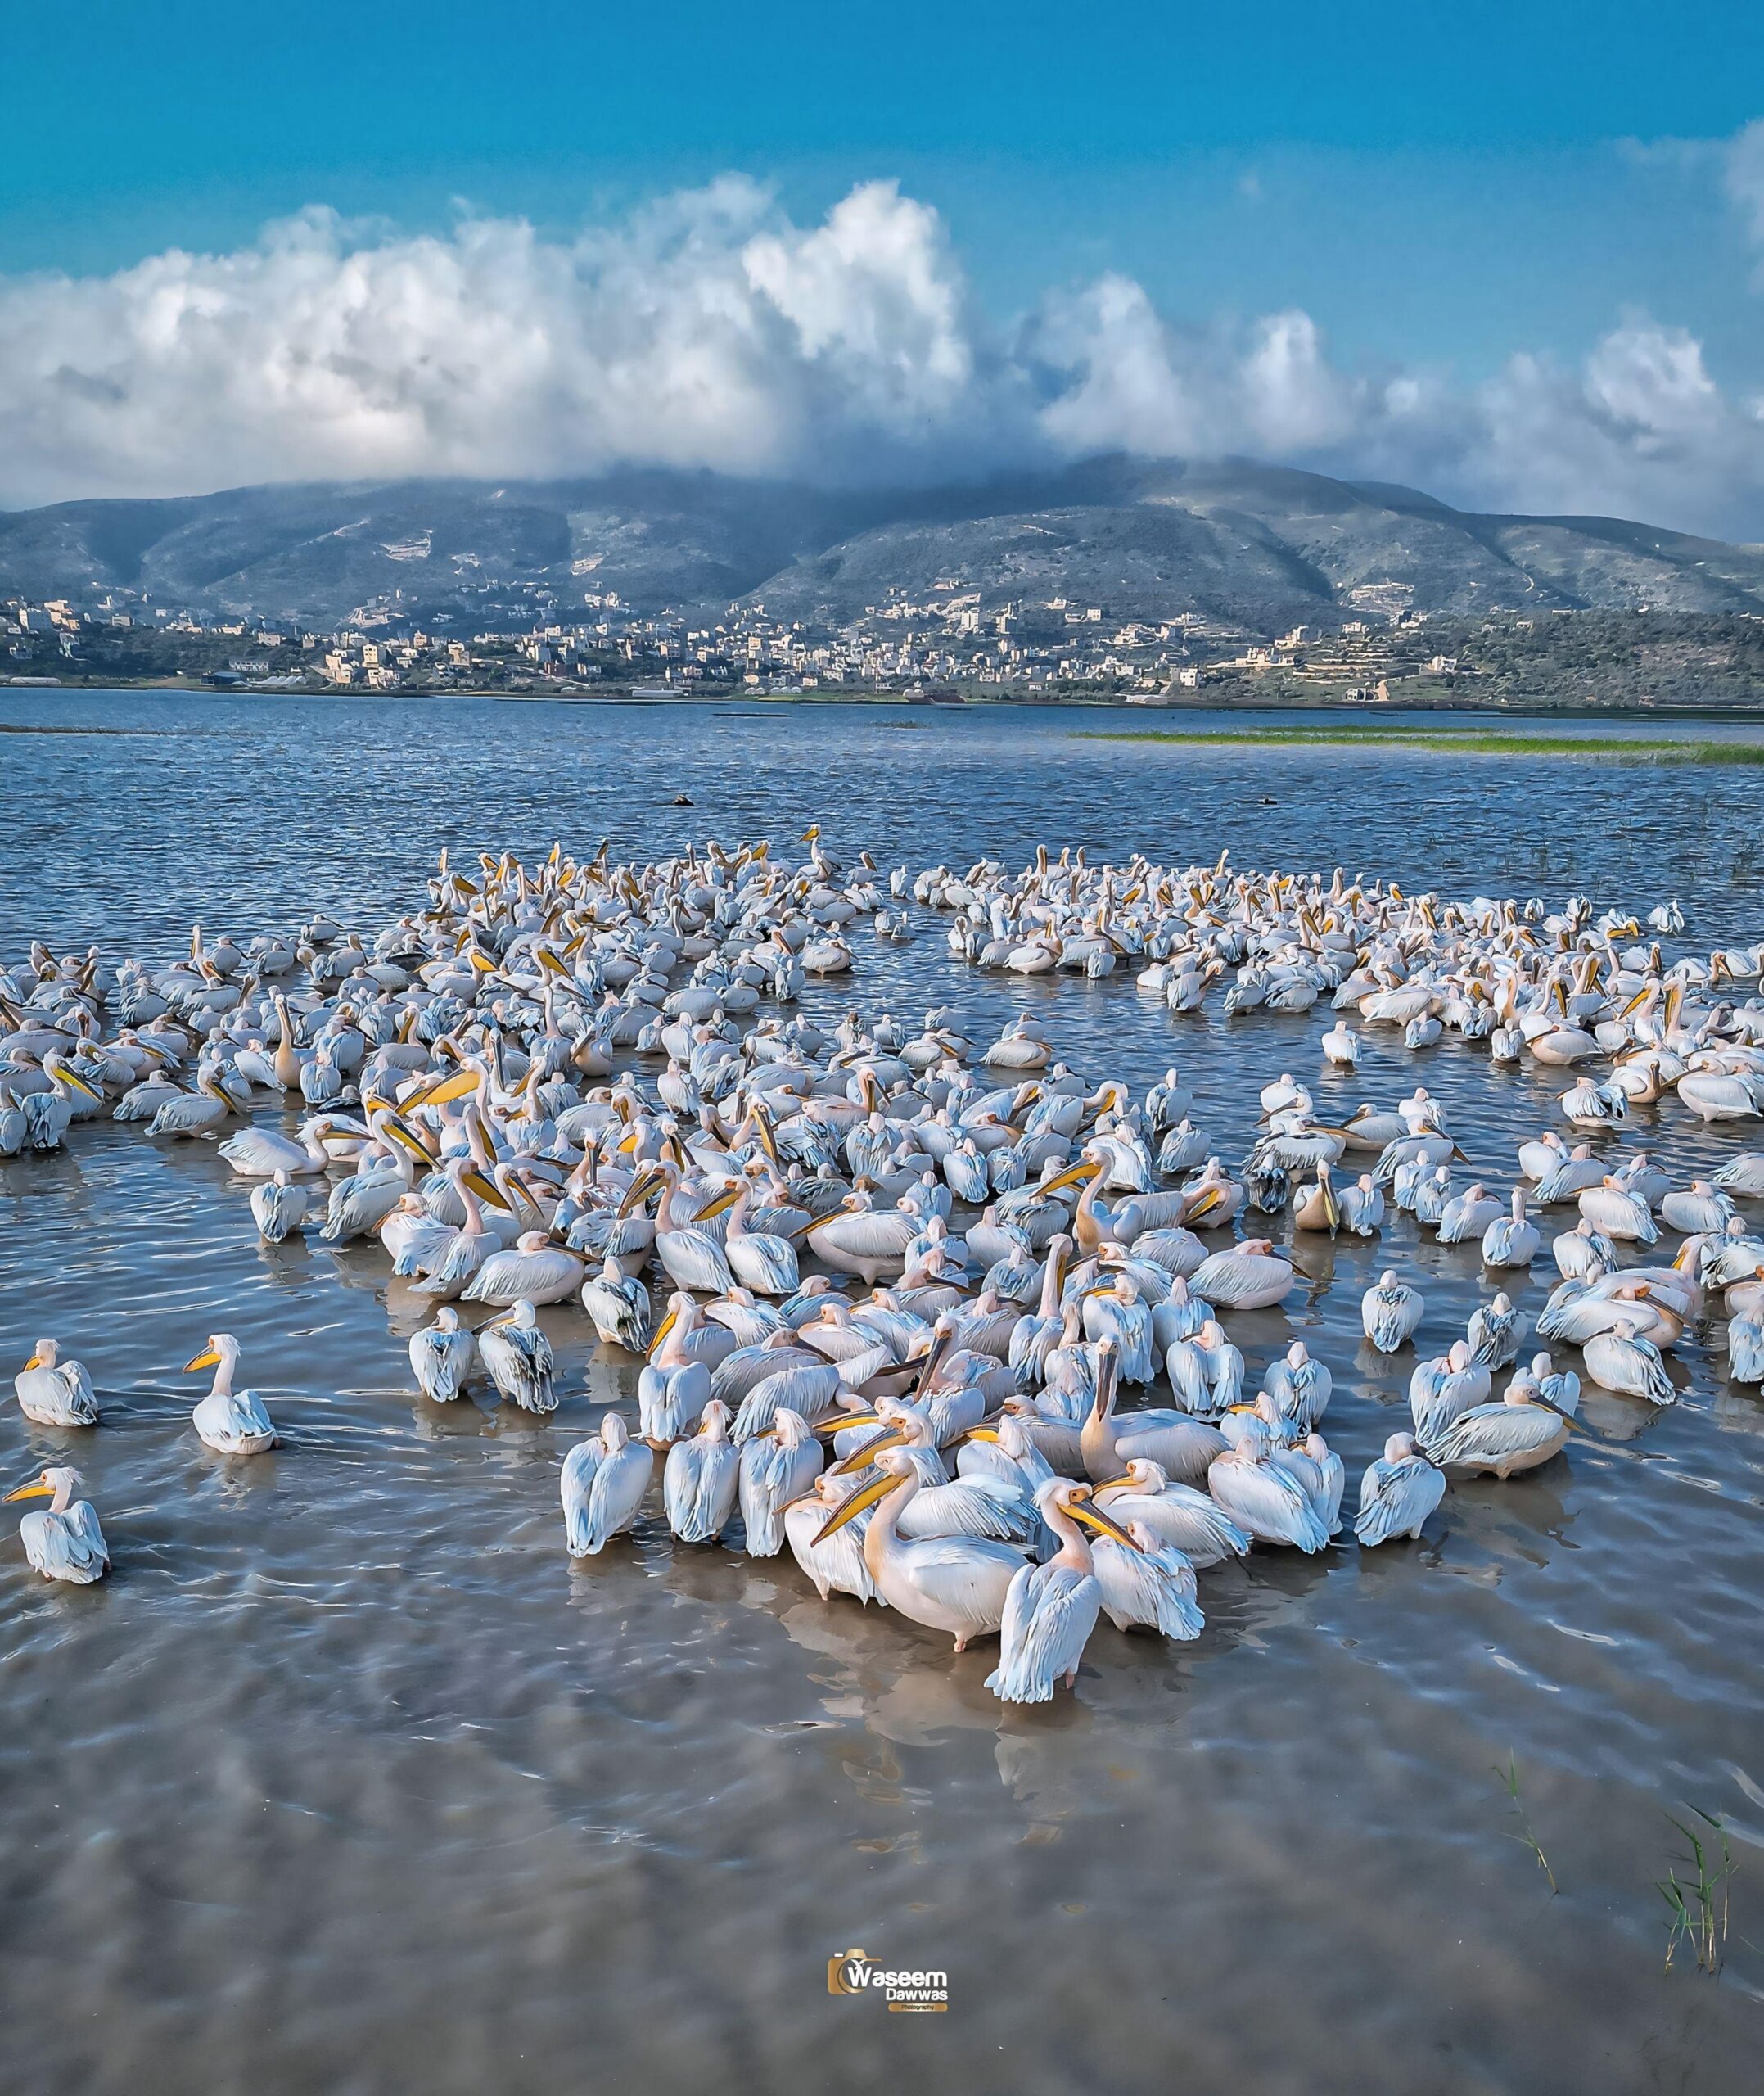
(711, 330)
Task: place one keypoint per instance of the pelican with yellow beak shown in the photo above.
(55, 1392)
(63, 1541)
(1050, 1610)
(230, 1422)
(957, 1584)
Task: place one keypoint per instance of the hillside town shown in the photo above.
(947, 645)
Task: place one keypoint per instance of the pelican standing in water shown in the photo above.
(778, 1465)
(443, 1356)
(701, 1477)
(52, 1392)
(953, 1584)
(518, 1357)
(618, 1303)
(602, 1485)
(1051, 1609)
(64, 1541)
(278, 1207)
(230, 1422)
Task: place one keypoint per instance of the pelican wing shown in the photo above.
(1049, 1612)
(1396, 1498)
(1489, 1434)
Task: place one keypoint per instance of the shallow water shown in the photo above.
(347, 1779)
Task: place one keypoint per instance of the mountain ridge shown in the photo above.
(1246, 544)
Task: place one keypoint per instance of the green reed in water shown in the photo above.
(1697, 1903)
(1509, 1780)
(1477, 742)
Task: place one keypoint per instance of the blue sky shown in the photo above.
(1438, 189)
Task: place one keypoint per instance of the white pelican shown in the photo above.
(255, 1152)
(55, 1392)
(1745, 1349)
(517, 1357)
(618, 1303)
(1699, 1207)
(1494, 1332)
(836, 1566)
(673, 1385)
(860, 1239)
(232, 1422)
(1341, 1046)
(1468, 1214)
(1516, 1433)
(442, 1357)
(602, 1484)
(778, 1466)
(701, 1477)
(1176, 1515)
(1391, 1311)
(532, 1269)
(63, 1541)
(1300, 1386)
(1051, 1609)
(758, 1259)
(1443, 1389)
(1251, 1275)
(47, 1114)
(1510, 1241)
(953, 1584)
(1182, 1446)
(1621, 1359)
(1262, 1496)
(1151, 1585)
(278, 1207)
(1005, 1451)
(691, 1257)
(1618, 1214)
(1397, 1493)
(197, 1112)
(1713, 1095)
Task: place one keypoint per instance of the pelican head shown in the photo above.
(58, 1485)
(222, 1346)
(894, 1471)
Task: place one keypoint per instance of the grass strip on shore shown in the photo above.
(1476, 741)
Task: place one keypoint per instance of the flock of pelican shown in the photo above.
(900, 1294)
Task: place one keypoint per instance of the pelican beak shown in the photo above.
(35, 1362)
(860, 1501)
(1682, 1262)
(839, 1420)
(36, 1489)
(209, 1359)
(1208, 1201)
(1331, 1208)
(720, 1206)
(861, 1459)
(636, 1191)
(979, 1433)
(1092, 1517)
(1635, 1003)
(461, 1085)
(1074, 1175)
(486, 1192)
(408, 1138)
(552, 966)
(663, 1330)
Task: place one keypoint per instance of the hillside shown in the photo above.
(1252, 545)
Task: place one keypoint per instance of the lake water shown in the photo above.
(346, 1780)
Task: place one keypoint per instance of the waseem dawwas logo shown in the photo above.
(856, 1972)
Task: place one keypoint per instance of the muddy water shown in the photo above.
(347, 1780)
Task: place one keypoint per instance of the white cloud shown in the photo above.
(708, 329)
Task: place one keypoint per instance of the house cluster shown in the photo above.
(944, 636)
